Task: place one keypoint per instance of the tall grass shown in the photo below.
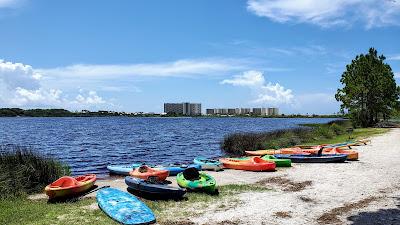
(236, 144)
(23, 171)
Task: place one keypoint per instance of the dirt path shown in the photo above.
(322, 193)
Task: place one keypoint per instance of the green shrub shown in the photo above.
(324, 132)
(24, 171)
(337, 129)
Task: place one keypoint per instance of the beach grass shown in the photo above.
(25, 172)
(21, 210)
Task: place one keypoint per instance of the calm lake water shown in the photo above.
(88, 145)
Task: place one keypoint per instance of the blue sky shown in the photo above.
(135, 55)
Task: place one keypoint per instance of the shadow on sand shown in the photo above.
(380, 217)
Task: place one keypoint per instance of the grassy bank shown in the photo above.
(333, 132)
(25, 172)
(23, 211)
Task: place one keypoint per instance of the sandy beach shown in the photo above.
(358, 192)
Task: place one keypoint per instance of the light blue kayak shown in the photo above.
(124, 207)
(207, 164)
(123, 169)
(173, 169)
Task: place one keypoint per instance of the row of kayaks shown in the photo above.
(150, 181)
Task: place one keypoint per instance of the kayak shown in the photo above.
(208, 164)
(278, 162)
(123, 169)
(294, 150)
(144, 172)
(251, 164)
(124, 207)
(174, 169)
(351, 154)
(67, 186)
(332, 158)
(154, 189)
(203, 182)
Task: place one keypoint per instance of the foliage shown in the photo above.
(25, 172)
(369, 91)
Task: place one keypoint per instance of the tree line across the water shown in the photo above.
(17, 112)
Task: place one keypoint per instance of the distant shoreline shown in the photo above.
(16, 112)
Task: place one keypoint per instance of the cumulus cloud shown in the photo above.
(328, 13)
(20, 86)
(179, 68)
(265, 92)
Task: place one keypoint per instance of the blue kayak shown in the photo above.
(154, 190)
(328, 158)
(173, 169)
(124, 207)
(208, 164)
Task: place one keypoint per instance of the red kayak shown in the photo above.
(251, 164)
(70, 186)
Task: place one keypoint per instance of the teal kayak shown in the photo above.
(208, 164)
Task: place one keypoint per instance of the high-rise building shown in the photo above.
(185, 108)
(231, 111)
(210, 111)
(256, 111)
(273, 111)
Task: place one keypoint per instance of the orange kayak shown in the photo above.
(351, 154)
(144, 172)
(251, 164)
(290, 151)
(70, 186)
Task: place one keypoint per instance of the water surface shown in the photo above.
(88, 145)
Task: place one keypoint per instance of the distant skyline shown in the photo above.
(135, 55)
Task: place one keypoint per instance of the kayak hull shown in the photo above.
(251, 164)
(66, 187)
(149, 172)
(154, 190)
(207, 164)
(337, 158)
(206, 183)
(122, 169)
(176, 169)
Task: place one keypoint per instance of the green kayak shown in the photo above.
(205, 183)
(278, 162)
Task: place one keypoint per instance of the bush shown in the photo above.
(236, 144)
(26, 172)
(337, 129)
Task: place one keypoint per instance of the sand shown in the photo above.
(358, 192)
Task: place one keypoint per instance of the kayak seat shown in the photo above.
(191, 174)
(64, 182)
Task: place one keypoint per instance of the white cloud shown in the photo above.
(321, 103)
(20, 86)
(394, 57)
(328, 13)
(397, 75)
(265, 92)
(180, 68)
(10, 3)
(92, 98)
